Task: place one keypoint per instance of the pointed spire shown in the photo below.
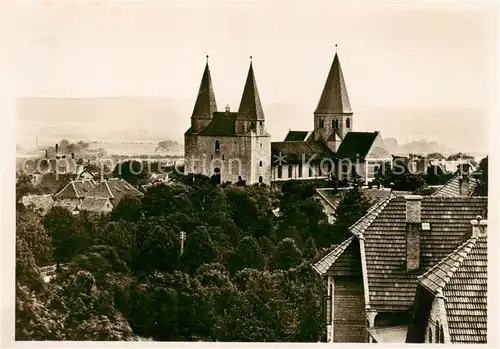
(205, 104)
(250, 106)
(334, 98)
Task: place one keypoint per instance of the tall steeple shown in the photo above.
(205, 104)
(333, 114)
(250, 106)
(334, 99)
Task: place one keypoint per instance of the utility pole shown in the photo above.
(183, 238)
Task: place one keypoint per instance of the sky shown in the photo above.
(427, 55)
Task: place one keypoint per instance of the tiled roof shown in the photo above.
(115, 189)
(75, 189)
(250, 106)
(327, 261)
(391, 287)
(452, 187)
(356, 145)
(66, 205)
(93, 204)
(335, 136)
(222, 124)
(333, 197)
(364, 222)
(334, 98)
(462, 278)
(296, 136)
(293, 151)
(42, 203)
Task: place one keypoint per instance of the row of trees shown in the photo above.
(244, 274)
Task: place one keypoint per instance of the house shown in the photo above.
(114, 189)
(330, 198)
(372, 277)
(52, 182)
(67, 205)
(463, 183)
(96, 205)
(38, 203)
(74, 192)
(450, 304)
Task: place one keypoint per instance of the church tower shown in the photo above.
(333, 117)
(250, 114)
(205, 104)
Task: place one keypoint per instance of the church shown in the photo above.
(235, 146)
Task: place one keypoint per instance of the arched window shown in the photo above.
(239, 179)
(441, 334)
(280, 171)
(334, 124)
(348, 123)
(430, 334)
(437, 332)
(260, 179)
(290, 171)
(321, 123)
(260, 163)
(217, 146)
(299, 174)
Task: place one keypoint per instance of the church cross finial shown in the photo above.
(335, 48)
(207, 58)
(250, 59)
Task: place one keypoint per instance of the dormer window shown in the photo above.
(217, 146)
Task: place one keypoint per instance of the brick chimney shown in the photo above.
(413, 225)
(479, 226)
(463, 179)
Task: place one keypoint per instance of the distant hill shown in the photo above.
(416, 147)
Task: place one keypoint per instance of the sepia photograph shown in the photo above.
(250, 171)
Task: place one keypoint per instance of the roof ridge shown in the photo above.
(444, 185)
(378, 206)
(109, 189)
(467, 247)
(60, 191)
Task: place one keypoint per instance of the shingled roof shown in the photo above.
(75, 190)
(296, 136)
(115, 189)
(222, 125)
(205, 104)
(334, 98)
(356, 145)
(292, 152)
(462, 278)
(452, 187)
(250, 106)
(93, 204)
(383, 228)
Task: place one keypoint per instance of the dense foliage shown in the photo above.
(242, 274)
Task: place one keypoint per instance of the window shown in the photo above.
(321, 123)
(348, 123)
(240, 179)
(311, 174)
(441, 334)
(437, 332)
(260, 123)
(260, 163)
(299, 174)
(260, 179)
(280, 171)
(335, 124)
(217, 146)
(222, 157)
(290, 171)
(430, 334)
(261, 145)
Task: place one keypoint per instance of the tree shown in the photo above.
(287, 255)
(68, 238)
(482, 177)
(199, 249)
(249, 254)
(134, 172)
(30, 231)
(128, 209)
(310, 250)
(353, 205)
